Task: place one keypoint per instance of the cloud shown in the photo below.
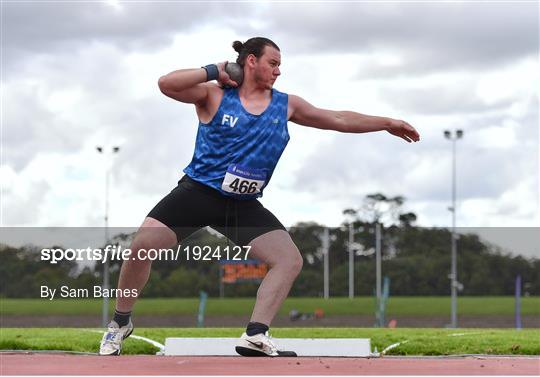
(77, 75)
(45, 27)
(448, 99)
(425, 37)
(494, 160)
(463, 93)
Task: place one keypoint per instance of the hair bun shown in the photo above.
(237, 45)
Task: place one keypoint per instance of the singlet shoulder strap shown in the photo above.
(280, 96)
(226, 101)
(229, 95)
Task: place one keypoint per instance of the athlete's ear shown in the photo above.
(251, 60)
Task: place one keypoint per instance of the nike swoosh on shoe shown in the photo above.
(256, 344)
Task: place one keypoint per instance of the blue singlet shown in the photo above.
(237, 152)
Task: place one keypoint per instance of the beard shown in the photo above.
(261, 81)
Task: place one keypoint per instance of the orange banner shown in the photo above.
(238, 272)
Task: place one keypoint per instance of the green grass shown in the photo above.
(418, 341)
(418, 306)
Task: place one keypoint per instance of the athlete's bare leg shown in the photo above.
(134, 273)
(277, 249)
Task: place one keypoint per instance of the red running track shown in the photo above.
(62, 364)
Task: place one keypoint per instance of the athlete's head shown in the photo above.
(260, 58)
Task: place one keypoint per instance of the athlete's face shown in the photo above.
(267, 67)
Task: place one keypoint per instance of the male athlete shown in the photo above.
(241, 135)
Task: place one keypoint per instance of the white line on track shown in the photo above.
(391, 346)
(153, 342)
(147, 340)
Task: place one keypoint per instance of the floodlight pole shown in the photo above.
(106, 283)
(326, 250)
(351, 260)
(378, 270)
(453, 274)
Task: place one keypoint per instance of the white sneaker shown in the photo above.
(260, 345)
(111, 343)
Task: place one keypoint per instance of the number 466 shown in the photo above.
(243, 187)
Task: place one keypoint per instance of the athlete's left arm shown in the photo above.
(305, 114)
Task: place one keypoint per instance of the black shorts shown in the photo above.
(191, 206)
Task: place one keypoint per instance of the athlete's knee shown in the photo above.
(139, 254)
(292, 263)
(296, 263)
(152, 235)
(141, 249)
(155, 234)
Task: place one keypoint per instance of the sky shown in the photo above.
(76, 75)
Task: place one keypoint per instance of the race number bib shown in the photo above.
(242, 180)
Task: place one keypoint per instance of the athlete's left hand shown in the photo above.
(403, 130)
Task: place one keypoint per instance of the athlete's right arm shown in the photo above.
(190, 86)
(185, 85)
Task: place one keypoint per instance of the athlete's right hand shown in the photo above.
(224, 79)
